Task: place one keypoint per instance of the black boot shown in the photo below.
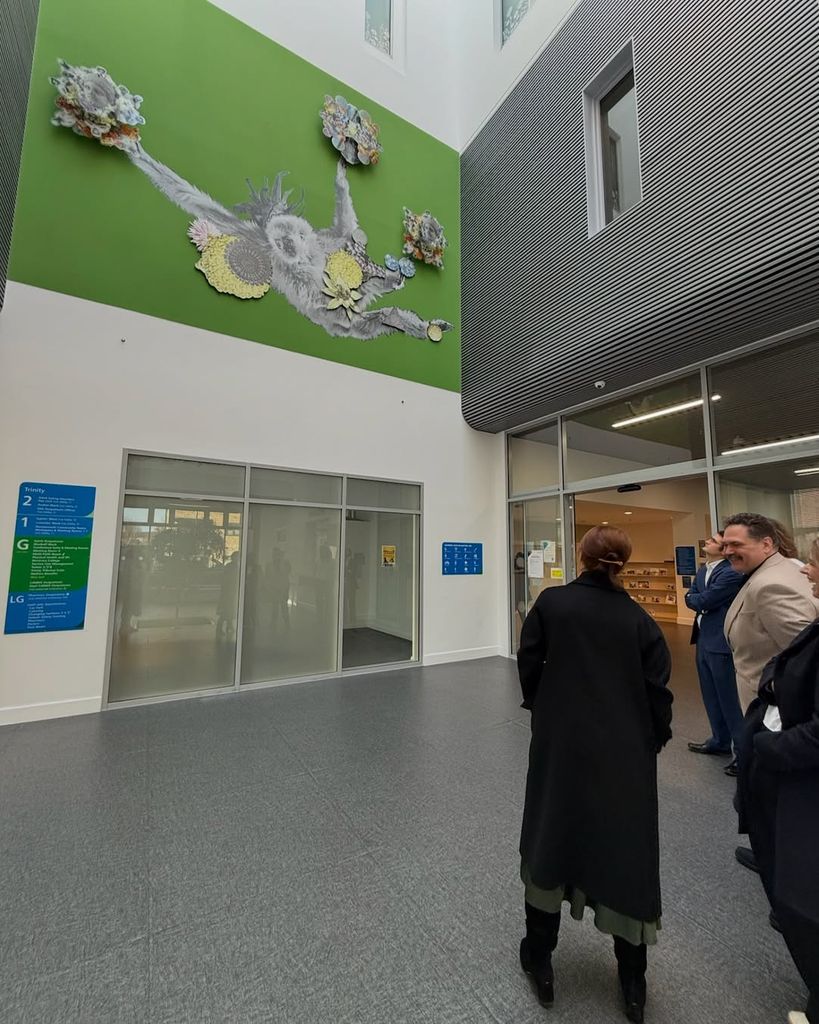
(631, 968)
(536, 951)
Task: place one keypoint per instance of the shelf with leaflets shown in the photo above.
(653, 585)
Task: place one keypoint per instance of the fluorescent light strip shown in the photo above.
(772, 444)
(807, 472)
(668, 411)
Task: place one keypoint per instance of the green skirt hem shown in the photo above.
(606, 920)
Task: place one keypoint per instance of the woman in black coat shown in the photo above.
(593, 669)
(778, 789)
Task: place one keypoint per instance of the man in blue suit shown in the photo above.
(715, 587)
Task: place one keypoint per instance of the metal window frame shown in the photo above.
(708, 468)
(246, 502)
(613, 71)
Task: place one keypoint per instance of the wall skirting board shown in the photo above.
(49, 709)
(470, 654)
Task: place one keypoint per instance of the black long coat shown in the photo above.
(594, 669)
(792, 756)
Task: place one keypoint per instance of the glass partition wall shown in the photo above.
(233, 575)
(749, 424)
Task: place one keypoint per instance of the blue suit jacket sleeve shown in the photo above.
(697, 590)
(725, 585)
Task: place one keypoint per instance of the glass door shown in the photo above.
(380, 588)
(536, 538)
(177, 601)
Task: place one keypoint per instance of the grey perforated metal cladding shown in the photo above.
(721, 252)
(18, 22)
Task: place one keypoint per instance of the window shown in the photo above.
(536, 536)
(378, 25)
(512, 14)
(786, 491)
(612, 142)
(534, 460)
(768, 406)
(661, 427)
(221, 586)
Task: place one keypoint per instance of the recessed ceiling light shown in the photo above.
(628, 513)
(807, 472)
(605, 522)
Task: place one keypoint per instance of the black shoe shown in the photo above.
(542, 976)
(746, 858)
(773, 921)
(708, 748)
(731, 769)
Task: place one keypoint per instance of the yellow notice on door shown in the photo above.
(389, 553)
(557, 574)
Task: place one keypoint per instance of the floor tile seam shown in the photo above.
(738, 952)
(248, 905)
(360, 837)
(156, 839)
(237, 741)
(230, 790)
(25, 977)
(445, 952)
(9, 771)
(485, 1004)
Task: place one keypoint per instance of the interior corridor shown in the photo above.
(342, 852)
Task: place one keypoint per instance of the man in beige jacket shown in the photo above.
(771, 609)
(774, 605)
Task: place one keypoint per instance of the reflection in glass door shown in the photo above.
(536, 535)
(290, 624)
(177, 597)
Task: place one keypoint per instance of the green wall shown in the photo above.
(222, 103)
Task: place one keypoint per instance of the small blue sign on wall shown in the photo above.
(686, 559)
(461, 559)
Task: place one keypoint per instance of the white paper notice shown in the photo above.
(535, 565)
(549, 551)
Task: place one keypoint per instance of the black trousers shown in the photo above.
(802, 938)
(801, 934)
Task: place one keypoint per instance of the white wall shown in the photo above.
(739, 497)
(420, 84)
(448, 76)
(75, 396)
(487, 72)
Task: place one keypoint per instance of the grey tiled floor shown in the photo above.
(340, 852)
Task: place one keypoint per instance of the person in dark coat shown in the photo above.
(594, 668)
(711, 595)
(778, 794)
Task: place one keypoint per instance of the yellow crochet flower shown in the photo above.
(219, 258)
(342, 279)
(343, 268)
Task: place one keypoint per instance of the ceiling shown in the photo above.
(591, 513)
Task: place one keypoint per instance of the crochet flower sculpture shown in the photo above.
(352, 131)
(91, 103)
(424, 237)
(343, 277)
(234, 266)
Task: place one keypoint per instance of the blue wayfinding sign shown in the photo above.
(686, 558)
(462, 559)
(48, 586)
